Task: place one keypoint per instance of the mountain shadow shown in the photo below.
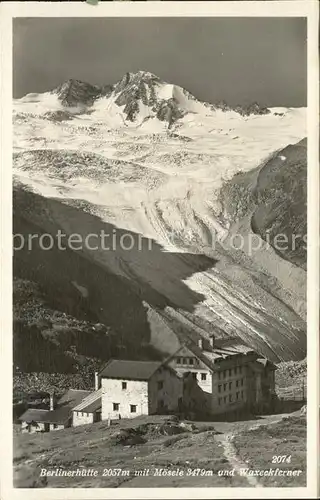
(106, 287)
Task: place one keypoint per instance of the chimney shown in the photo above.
(51, 401)
(200, 343)
(211, 341)
(96, 381)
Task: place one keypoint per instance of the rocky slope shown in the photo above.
(146, 161)
(275, 196)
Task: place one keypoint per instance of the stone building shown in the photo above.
(33, 420)
(89, 410)
(223, 376)
(211, 377)
(58, 416)
(132, 388)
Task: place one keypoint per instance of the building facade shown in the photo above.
(89, 410)
(211, 377)
(223, 376)
(132, 388)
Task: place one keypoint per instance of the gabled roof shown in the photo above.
(33, 415)
(61, 413)
(91, 403)
(58, 416)
(222, 348)
(130, 370)
(65, 404)
(199, 353)
(72, 397)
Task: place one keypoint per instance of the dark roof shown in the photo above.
(91, 403)
(58, 416)
(61, 413)
(33, 415)
(65, 404)
(222, 348)
(72, 397)
(130, 370)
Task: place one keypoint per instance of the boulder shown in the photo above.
(127, 437)
(169, 429)
(188, 426)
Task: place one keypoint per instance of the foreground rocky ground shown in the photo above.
(159, 452)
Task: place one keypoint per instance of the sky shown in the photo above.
(239, 60)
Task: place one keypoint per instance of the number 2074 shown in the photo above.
(281, 459)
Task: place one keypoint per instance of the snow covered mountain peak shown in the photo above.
(135, 98)
(139, 100)
(75, 92)
(143, 95)
(147, 158)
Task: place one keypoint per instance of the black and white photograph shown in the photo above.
(159, 253)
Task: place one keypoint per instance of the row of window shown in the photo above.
(116, 407)
(236, 370)
(221, 374)
(160, 385)
(228, 385)
(239, 395)
(203, 375)
(185, 361)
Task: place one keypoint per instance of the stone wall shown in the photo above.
(165, 390)
(135, 393)
(40, 427)
(56, 427)
(229, 386)
(81, 418)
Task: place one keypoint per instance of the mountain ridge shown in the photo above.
(142, 86)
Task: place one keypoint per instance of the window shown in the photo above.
(178, 361)
(116, 406)
(230, 372)
(219, 375)
(55, 426)
(124, 385)
(230, 398)
(241, 394)
(219, 388)
(191, 361)
(237, 395)
(194, 375)
(185, 361)
(224, 387)
(225, 399)
(219, 401)
(230, 385)
(203, 376)
(235, 370)
(133, 408)
(160, 385)
(224, 374)
(237, 383)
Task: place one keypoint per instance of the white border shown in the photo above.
(8, 10)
